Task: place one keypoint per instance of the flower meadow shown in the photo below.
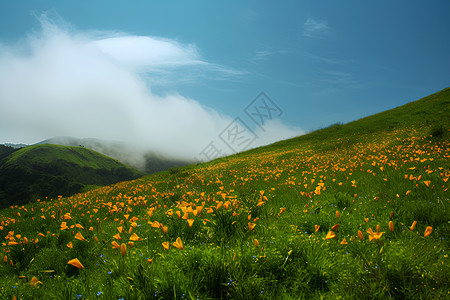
(353, 217)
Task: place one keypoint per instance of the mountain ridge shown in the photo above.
(52, 170)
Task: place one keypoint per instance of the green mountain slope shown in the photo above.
(430, 114)
(52, 170)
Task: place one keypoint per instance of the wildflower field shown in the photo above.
(352, 211)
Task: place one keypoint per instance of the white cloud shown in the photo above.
(62, 82)
(149, 53)
(315, 29)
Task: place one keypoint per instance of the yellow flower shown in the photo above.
(428, 231)
(165, 245)
(330, 235)
(76, 263)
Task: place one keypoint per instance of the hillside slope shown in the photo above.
(354, 211)
(430, 114)
(51, 170)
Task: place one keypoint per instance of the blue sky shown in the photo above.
(321, 62)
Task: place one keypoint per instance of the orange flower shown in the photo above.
(428, 231)
(164, 229)
(70, 245)
(256, 242)
(330, 235)
(76, 263)
(391, 226)
(251, 226)
(166, 245)
(178, 244)
(115, 245)
(64, 226)
(335, 227)
(316, 227)
(123, 249)
(374, 235)
(337, 214)
(360, 234)
(155, 224)
(34, 281)
(150, 260)
(344, 242)
(131, 244)
(427, 182)
(413, 225)
(117, 236)
(190, 222)
(134, 237)
(79, 226)
(80, 237)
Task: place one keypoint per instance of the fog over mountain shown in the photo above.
(146, 161)
(59, 81)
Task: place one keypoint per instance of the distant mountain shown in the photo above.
(16, 146)
(51, 170)
(145, 161)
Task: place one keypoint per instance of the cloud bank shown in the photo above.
(60, 82)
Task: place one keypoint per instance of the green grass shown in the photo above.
(369, 176)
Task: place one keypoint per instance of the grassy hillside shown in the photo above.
(51, 170)
(354, 211)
